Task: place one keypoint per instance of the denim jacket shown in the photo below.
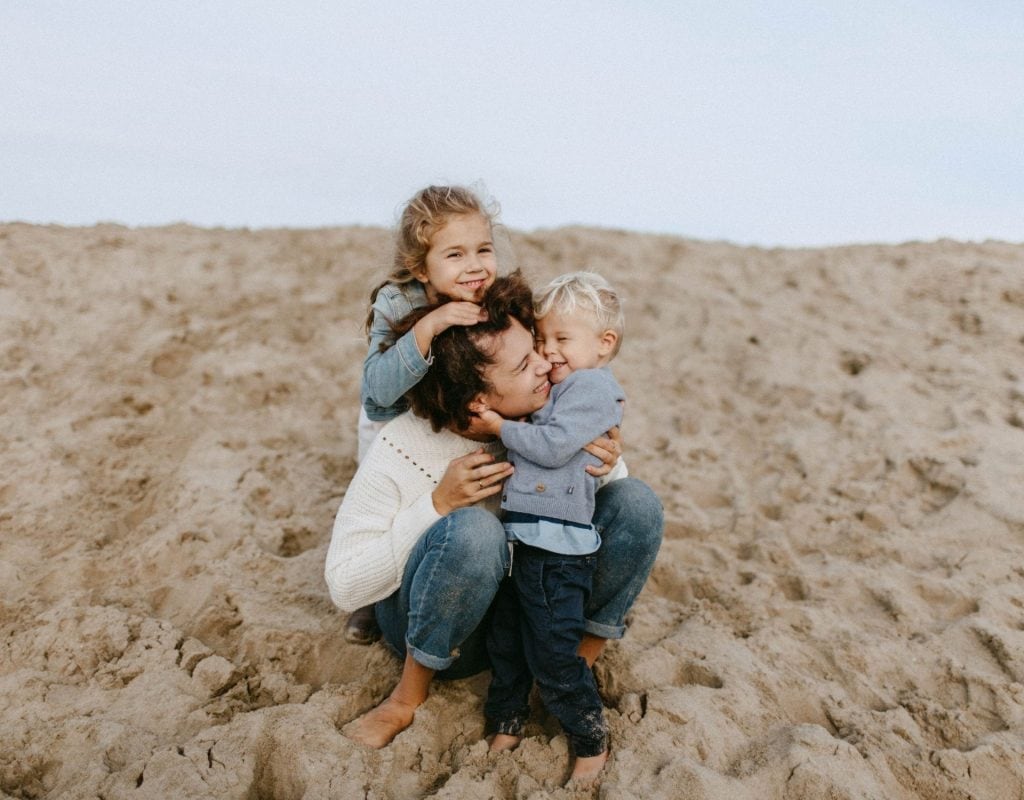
(388, 375)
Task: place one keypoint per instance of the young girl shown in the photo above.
(444, 248)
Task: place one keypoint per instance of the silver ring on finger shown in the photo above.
(481, 484)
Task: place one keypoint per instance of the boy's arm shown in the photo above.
(585, 409)
(390, 374)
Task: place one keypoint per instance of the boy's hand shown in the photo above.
(483, 421)
(490, 422)
(608, 449)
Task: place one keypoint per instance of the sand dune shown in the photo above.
(837, 436)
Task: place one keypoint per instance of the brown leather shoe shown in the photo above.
(361, 627)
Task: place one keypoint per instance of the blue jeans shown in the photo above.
(440, 613)
(535, 634)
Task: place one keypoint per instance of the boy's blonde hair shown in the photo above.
(586, 291)
(425, 214)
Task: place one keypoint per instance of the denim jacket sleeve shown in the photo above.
(389, 374)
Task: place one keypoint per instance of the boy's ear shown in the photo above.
(607, 341)
(477, 404)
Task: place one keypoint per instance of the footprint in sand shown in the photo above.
(171, 363)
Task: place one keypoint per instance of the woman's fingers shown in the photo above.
(479, 465)
(493, 472)
(474, 459)
(608, 449)
(486, 490)
(604, 449)
(489, 479)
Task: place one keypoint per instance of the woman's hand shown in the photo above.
(468, 480)
(608, 449)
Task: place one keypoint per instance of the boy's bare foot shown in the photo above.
(378, 726)
(504, 741)
(586, 771)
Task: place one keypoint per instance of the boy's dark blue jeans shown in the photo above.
(534, 635)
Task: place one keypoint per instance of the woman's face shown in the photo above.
(518, 376)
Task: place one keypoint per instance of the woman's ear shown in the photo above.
(477, 405)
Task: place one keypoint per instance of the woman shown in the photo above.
(417, 532)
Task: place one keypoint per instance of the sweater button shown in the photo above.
(541, 487)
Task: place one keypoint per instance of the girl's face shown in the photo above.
(573, 341)
(460, 262)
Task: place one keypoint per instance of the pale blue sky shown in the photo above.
(776, 123)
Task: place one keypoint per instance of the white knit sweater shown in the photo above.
(388, 506)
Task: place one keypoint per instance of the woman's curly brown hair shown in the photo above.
(456, 375)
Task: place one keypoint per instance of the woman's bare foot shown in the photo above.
(586, 771)
(378, 726)
(504, 741)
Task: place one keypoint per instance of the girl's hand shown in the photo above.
(457, 312)
(468, 480)
(608, 449)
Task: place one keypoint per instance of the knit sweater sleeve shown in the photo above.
(379, 522)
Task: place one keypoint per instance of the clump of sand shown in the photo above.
(837, 436)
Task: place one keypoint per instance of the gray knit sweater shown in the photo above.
(550, 479)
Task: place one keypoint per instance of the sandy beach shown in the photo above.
(837, 436)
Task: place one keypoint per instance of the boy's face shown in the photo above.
(460, 262)
(573, 341)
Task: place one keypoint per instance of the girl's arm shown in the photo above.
(389, 374)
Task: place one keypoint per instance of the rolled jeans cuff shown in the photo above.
(604, 631)
(435, 663)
